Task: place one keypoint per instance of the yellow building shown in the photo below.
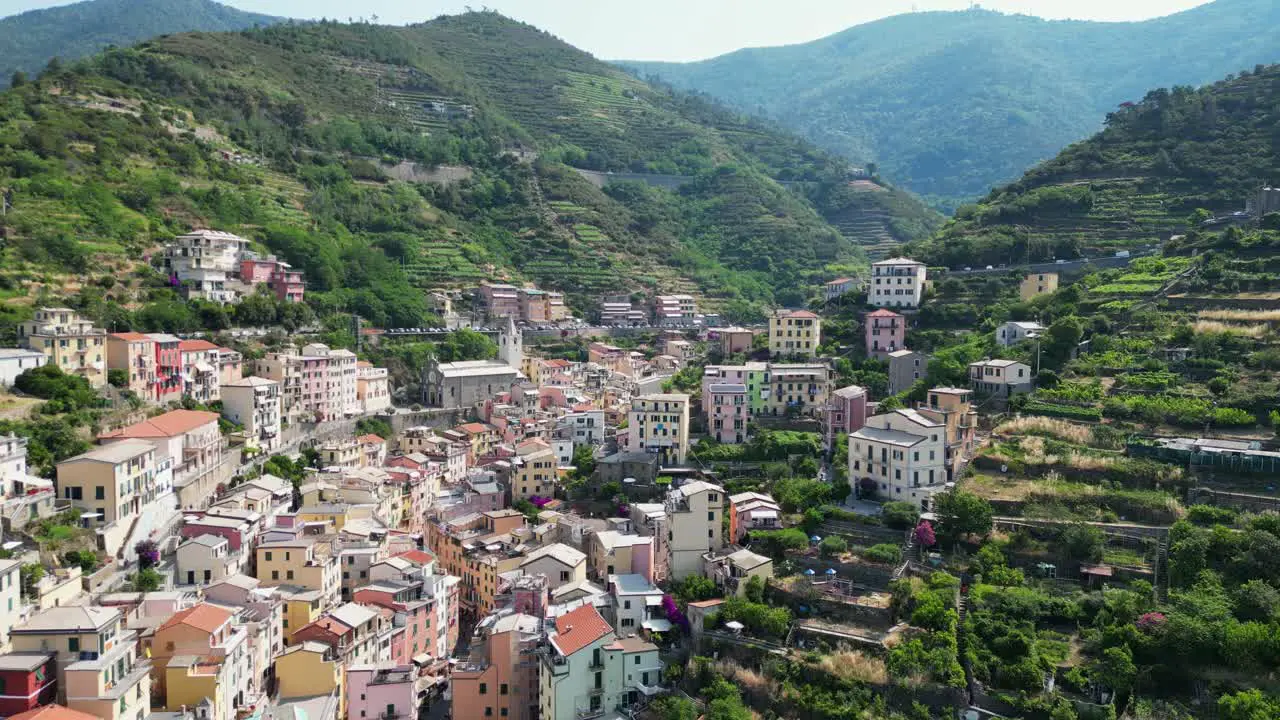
(111, 481)
(190, 680)
(335, 514)
(536, 472)
(461, 547)
(69, 341)
(1038, 284)
(796, 389)
(794, 333)
(306, 563)
(310, 669)
(301, 608)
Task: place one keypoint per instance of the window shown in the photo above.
(73, 644)
(99, 493)
(488, 712)
(503, 712)
(502, 689)
(268, 554)
(637, 662)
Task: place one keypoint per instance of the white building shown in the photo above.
(254, 404)
(562, 564)
(694, 512)
(15, 361)
(637, 605)
(904, 453)
(207, 559)
(1012, 333)
(675, 311)
(1000, 378)
(203, 261)
(10, 598)
(373, 389)
(897, 282)
(659, 424)
(590, 671)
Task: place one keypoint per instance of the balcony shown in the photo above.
(582, 714)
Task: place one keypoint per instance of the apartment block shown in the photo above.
(388, 693)
(728, 418)
(190, 443)
(498, 300)
(135, 354)
(903, 454)
(886, 333)
(675, 311)
(499, 679)
(535, 472)
(201, 372)
(794, 333)
(590, 670)
(373, 389)
(307, 563)
(846, 411)
(69, 341)
(837, 288)
(610, 552)
(280, 278)
(115, 484)
(169, 381)
(201, 650)
(905, 368)
(254, 404)
(732, 570)
(897, 282)
(693, 515)
(800, 390)
(203, 261)
(341, 379)
(660, 424)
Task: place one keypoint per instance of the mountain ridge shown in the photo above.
(889, 91)
(70, 32)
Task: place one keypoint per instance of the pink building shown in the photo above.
(886, 333)
(382, 692)
(285, 282)
(496, 680)
(238, 531)
(735, 340)
(846, 412)
(727, 421)
(168, 381)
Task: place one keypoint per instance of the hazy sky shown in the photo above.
(683, 29)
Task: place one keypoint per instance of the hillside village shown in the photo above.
(299, 435)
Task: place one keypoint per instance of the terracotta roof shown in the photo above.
(578, 629)
(370, 438)
(707, 603)
(196, 345)
(883, 313)
(53, 712)
(420, 557)
(557, 363)
(202, 617)
(131, 336)
(799, 314)
(839, 281)
(474, 428)
(176, 422)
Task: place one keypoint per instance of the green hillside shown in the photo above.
(291, 135)
(70, 32)
(951, 104)
(1133, 184)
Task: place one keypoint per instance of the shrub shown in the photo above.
(832, 546)
(1211, 515)
(900, 515)
(883, 553)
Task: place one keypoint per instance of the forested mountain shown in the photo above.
(69, 32)
(322, 144)
(1135, 183)
(952, 103)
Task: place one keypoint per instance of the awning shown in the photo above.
(764, 514)
(652, 600)
(422, 659)
(656, 625)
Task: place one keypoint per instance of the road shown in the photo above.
(1068, 266)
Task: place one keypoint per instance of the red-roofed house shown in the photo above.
(209, 631)
(838, 287)
(589, 669)
(189, 443)
(886, 333)
(794, 333)
(373, 450)
(53, 712)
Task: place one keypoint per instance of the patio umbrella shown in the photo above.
(831, 571)
(809, 572)
(815, 539)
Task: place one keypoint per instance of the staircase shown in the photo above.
(962, 609)
(1162, 569)
(908, 549)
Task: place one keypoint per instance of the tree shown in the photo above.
(899, 515)
(755, 589)
(674, 707)
(584, 461)
(962, 513)
(924, 534)
(375, 426)
(1248, 705)
(18, 79)
(118, 377)
(1060, 341)
(1115, 669)
(694, 588)
(1082, 543)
